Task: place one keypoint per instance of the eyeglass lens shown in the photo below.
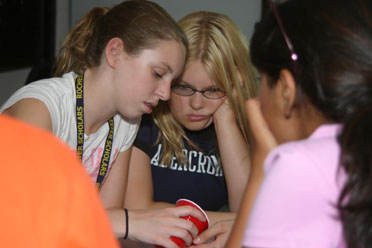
(185, 90)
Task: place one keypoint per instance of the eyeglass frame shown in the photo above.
(294, 56)
(195, 90)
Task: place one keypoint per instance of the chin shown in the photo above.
(127, 116)
(196, 126)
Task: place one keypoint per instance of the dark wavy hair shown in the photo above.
(333, 40)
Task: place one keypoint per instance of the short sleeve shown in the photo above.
(292, 208)
(143, 140)
(128, 132)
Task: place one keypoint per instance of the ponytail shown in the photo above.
(73, 53)
(139, 24)
(355, 202)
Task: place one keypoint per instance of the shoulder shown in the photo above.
(148, 128)
(56, 94)
(125, 124)
(125, 131)
(45, 90)
(296, 200)
(38, 147)
(147, 134)
(125, 128)
(317, 150)
(312, 162)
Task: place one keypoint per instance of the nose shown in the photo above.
(163, 91)
(197, 100)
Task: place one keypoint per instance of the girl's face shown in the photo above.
(195, 112)
(142, 80)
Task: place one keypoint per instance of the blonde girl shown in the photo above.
(197, 142)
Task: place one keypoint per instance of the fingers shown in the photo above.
(255, 117)
(183, 234)
(189, 210)
(253, 112)
(258, 125)
(224, 115)
(207, 235)
(182, 228)
(166, 234)
(187, 226)
(161, 224)
(168, 243)
(219, 233)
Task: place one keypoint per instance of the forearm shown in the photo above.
(235, 159)
(154, 204)
(215, 217)
(218, 232)
(118, 221)
(145, 203)
(263, 142)
(250, 193)
(155, 226)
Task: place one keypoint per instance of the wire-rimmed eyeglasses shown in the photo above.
(186, 90)
(294, 56)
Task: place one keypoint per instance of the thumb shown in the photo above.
(205, 236)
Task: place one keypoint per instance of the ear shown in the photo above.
(113, 51)
(288, 91)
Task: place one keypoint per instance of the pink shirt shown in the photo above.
(295, 206)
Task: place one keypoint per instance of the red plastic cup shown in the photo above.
(201, 225)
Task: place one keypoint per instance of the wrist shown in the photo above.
(126, 224)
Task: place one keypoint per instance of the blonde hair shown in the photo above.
(215, 41)
(139, 23)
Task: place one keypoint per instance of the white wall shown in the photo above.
(243, 12)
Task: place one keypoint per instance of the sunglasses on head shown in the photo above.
(294, 55)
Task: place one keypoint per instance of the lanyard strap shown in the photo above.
(105, 159)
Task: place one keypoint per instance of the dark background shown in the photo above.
(27, 31)
(265, 6)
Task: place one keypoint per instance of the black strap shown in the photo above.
(105, 159)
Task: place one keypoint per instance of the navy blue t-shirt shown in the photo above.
(201, 181)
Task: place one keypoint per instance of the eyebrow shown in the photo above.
(206, 88)
(168, 67)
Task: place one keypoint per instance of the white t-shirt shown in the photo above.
(58, 94)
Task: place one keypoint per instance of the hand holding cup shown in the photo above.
(201, 225)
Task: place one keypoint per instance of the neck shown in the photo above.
(311, 119)
(98, 107)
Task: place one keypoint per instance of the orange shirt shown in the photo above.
(47, 199)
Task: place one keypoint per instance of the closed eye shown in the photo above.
(157, 75)
(184, 86)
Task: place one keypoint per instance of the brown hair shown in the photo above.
(139, 23)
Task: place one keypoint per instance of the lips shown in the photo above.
(197, 117)
(149, 107)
